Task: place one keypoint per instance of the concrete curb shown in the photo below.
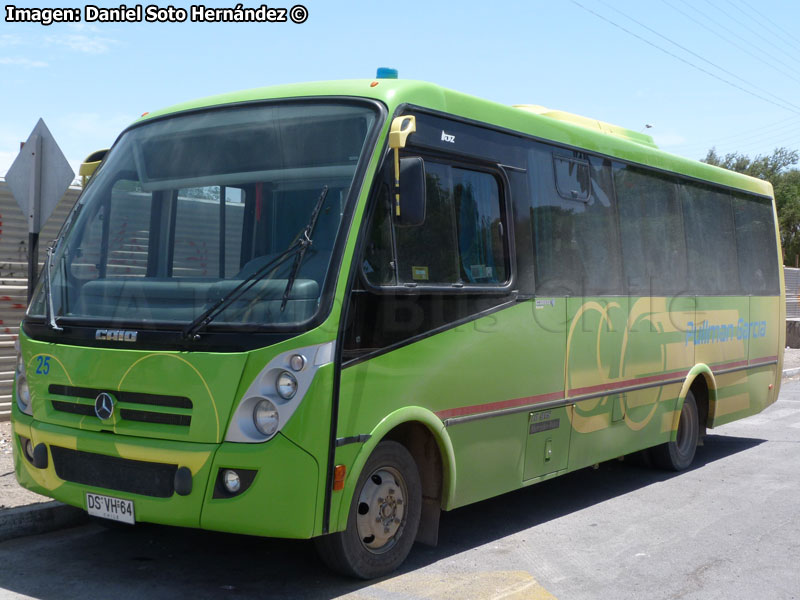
(791, 372)
(38, 518)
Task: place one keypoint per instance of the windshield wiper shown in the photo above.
(297, 247)
(305, 242)
(190, 332)
(49, 310)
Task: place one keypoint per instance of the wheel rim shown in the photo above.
(380, 514)
(685, 437)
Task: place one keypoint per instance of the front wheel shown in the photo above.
(678, 455)
(383, 518)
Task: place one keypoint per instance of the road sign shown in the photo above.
(38, 178)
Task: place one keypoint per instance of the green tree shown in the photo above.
(778, 169)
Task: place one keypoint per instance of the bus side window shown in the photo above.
(572, 178)
(711, 253)
(755, 234)
(463, 240)
(378, 263)
(481, 234)
(426, 253)
(650, 209)
(574, 224)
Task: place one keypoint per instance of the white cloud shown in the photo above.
(8, 39)
(22, 62)
(94, 128)
(81, 26)
(665, 140)
(82, 43)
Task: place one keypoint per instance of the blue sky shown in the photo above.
(88, 81)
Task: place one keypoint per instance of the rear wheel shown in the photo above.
(678, 455)
(383, 518)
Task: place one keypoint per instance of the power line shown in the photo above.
(789, 138)
(748, 28)
(749, 141)
(769, 54)
(750, 136)
(788, 34)
(695, 54)
(761, 19)
(774, 126)
(724, 39)
(772, 139)
(683, 60)
(792, 138)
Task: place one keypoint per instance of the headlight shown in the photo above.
(23, 391)
(286, 385)
(23, 394)
(266, 418)
(273, 396)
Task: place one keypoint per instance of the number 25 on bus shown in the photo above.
(333, 310)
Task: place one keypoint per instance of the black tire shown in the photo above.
(678, 455)
(383, 519)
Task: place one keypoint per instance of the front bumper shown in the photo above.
(280, 502)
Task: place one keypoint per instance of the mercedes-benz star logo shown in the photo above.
(104, 406)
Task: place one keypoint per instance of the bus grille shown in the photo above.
(127, 414)
(113, 473)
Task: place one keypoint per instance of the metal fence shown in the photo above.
(14, 277)
(792, 277)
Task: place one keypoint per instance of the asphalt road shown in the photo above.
(729, 528)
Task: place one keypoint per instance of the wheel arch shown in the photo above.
(703, 385)
(409, 426)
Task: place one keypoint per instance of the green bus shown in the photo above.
(333, 310)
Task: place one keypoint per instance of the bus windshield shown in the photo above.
(185, 208)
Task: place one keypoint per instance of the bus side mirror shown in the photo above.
(412, 192)
(90, 164)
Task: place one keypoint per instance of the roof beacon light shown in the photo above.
(386, 73)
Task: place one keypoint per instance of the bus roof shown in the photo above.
(550, 125)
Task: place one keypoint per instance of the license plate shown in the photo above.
(107, 507)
